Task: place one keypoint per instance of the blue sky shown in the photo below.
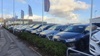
(83, 15)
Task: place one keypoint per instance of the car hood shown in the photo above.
(97, 35)
(67, 35)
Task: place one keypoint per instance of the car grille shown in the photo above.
(63, 41)
(92, 47)
(43, 36)
(55, 39)
(50, 37)
(98, 44)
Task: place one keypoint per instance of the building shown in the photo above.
(21, 21)
(17, 21)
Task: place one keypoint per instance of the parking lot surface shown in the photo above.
(11, 46)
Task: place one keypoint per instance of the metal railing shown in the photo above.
(76, 51)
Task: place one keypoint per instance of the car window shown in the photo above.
(55, 27)
(63, 28)
(78, 29)
(58, 27)
(93, 28)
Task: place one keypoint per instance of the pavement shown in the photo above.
(11, 46)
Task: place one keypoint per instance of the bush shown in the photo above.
(49, 47)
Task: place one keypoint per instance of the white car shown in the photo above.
(95, 44)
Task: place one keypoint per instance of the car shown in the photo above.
(10, 27)
(71, 34)
(16, 27)
(34, 28)
(83, 43)
(51, 31)
(42, 28)
(21, 28)
(95, 43)
(29, 26)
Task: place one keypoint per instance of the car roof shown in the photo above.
(81, 25)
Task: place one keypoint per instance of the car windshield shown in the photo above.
(36, 26)
(78, 29)
(43, 27)
(31, 25)
(63, 28)
(55, 27)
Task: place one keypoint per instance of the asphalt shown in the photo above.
(10, 45)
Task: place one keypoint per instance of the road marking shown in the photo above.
(7, 44)
(23, 48)
(9, 37)
(0, 33)
(35, 51)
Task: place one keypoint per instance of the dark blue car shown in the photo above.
(71, 34)
(52, 31)
(44, 27)
(34, 28)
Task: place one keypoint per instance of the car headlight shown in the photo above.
(42, 33)
(51, 34)
(70, 40)
(94, 39)
(34, 31)
(56, 36)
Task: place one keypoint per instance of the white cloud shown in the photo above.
(5, 16)
(66, 8)
(22, 1)
(51, 19)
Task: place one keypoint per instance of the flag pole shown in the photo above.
(42, 12)
(2, 9)
(95, 13)
(13, 13)
(91, 15)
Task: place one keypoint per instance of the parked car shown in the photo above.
(10, 27)
(34, 28)
(21, 28)
(71, 34)
(42, 28)
(29, 26)
(16, 27)
(83, 43)
(95, 43)
(52, 31)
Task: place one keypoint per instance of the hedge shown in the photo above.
(50, 47)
